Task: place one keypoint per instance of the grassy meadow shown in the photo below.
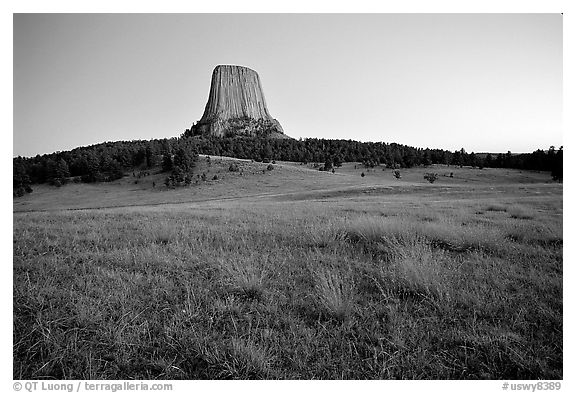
(292, 274)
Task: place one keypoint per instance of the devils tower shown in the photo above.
(236, 106)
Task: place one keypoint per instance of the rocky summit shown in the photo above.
(236, 106)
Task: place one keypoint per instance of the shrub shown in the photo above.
(215, 177)
(362, 174)
(397, 174)
(233, 167)
(270, 167)
(431, 177)
(496, 208)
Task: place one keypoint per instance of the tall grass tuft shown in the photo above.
(520, 212)
(416, 270)
(245, 276)
(334, 292)
(239, 358)
(382, 236)
(249, 360)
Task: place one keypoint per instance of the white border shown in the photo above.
(302, 6)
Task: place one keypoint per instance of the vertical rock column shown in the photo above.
(236, 102)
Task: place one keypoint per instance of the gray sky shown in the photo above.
(485, 82)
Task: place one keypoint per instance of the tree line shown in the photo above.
(103, 162)
(110, 160)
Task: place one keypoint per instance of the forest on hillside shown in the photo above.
(176, 156)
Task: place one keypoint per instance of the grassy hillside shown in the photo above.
(292, 273)
(253, 179)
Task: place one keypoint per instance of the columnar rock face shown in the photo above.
(236, 106)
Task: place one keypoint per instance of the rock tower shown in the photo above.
(236, 106)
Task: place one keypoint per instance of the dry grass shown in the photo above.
(249, 359)
(354, 286)
(496, 208)
(447, 233)
(334, 291)
(245, 276)
(521, 212)
(416, 270)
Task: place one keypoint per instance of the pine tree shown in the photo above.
(60, 173)
(151, 157)
(488, 161)
(167, 163)
(558, 166)
(21, 180)
(184, 160)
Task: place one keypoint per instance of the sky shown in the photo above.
(482, 82)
